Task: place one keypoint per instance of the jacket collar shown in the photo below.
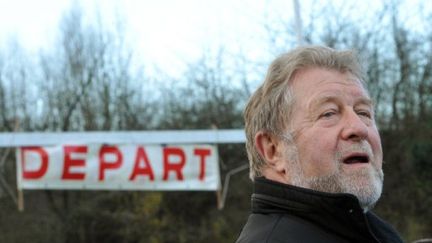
(298, 198)
(337, 212)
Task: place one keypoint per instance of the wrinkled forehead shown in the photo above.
(349, 78)
(356, 97)
(326, 83)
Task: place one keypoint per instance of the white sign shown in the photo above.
(118, 167)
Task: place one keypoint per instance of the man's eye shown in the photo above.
(365, 114)
(328, 114)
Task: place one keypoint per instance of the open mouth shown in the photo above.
(356, 159)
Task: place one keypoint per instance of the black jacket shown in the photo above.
(284, 213)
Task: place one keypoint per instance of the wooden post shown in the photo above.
(20, 195)
(220, 202)
(20, 200)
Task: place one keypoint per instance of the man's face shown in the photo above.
(336, 142)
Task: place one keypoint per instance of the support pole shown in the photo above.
(20, 200)
(20, 194)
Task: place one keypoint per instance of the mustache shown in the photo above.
(361, 147)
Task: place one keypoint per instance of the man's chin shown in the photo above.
(365, 184)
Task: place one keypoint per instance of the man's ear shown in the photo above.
(271, 149)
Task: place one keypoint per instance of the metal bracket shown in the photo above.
(225, 188)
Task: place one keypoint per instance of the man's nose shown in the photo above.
(354, 127)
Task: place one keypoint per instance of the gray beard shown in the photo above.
(364, 183)
(367, 193)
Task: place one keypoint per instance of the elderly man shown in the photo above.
(315, 152)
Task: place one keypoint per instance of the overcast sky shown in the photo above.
(167, 33)
(164, 31)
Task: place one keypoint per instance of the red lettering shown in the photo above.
(36, 174)
(105, 164)
(70, 162)
(169, 153)
(202, 153)
(146, 169)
